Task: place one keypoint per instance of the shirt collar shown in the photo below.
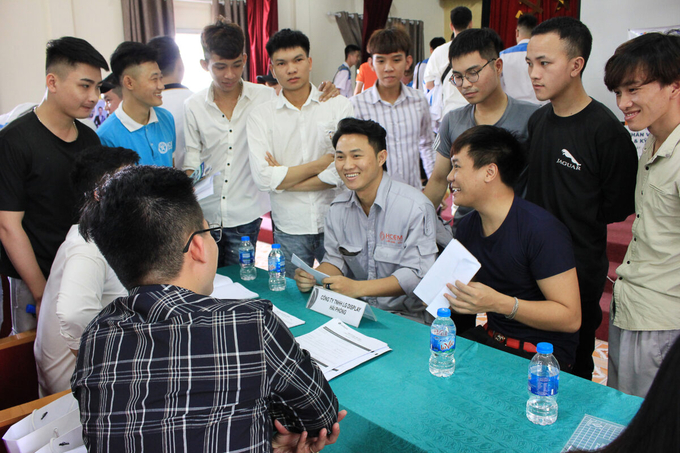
(523, 41)
(380, 196)
(281, 100)
(246, 93)
(375, 95)
(130, 124)
(666, 149)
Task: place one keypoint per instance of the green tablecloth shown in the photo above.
(395, 405)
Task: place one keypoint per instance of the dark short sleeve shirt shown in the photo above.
(35, 178)
(530, 245)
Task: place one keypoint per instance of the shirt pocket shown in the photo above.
(353, 256)
(391, 255)
(325, 131)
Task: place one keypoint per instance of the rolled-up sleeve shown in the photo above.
(266, 177)
(420, 248)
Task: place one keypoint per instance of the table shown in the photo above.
(394, 404)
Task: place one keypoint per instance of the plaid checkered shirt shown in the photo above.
(166, 369)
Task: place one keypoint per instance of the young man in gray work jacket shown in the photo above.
(380, 235)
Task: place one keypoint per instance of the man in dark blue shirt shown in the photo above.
(527, 284)
(169, 368)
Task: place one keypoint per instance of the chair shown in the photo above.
(18, 374)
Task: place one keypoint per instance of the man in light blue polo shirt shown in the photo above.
(139, 124)
(380, 235)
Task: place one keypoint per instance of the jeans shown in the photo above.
(305, 246)
(231, 240)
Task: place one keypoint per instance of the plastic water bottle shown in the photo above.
(277, 269)
(246, 257)
(443, 344)
(544, 380)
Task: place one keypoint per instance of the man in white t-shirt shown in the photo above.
(438, 68)
(81, 282)
(291, 154)
(172, 67)
(515, 78)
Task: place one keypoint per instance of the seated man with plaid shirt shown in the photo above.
(169, 368)
(527, 284)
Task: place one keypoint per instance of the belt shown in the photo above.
(512, 343)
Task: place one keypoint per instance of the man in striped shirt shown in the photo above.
(168, 368)
(402, 111)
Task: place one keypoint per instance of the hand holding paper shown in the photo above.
(455, 263)
(319, 276)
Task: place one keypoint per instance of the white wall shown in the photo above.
(27, 25)
(327, 47)
(609, 21)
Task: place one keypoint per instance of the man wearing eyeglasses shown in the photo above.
(169, 368)
(476, 71)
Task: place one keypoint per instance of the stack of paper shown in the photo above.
(225, 288)
(336, 348)
(288, 319)
(204, 188)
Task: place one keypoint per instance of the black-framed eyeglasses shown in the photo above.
(471, 76)
(214, 230)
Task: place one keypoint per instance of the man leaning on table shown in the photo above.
(169, 368)
(527, 284)
(380, 235)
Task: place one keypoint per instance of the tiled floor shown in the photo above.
(601, 347)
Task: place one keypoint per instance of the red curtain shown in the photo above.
(503, 15)
(375, 17)
(263, 22)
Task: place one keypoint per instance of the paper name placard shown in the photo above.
(336, 305)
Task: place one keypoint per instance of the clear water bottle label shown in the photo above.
(245, 258)
(277, 265)
(544, 385)
(439, 343)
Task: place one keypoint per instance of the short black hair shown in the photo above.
(109, 83)
(376, 134)
(71, 51)
(390, 40)
(92, 164)
(287, 39)
(168, 53)
(436, 42)
(578, 39)
(461, 16)
(140, 220)
(527, 22)
(654, 56)
(482, 40)
(224, 39)
(130, 53)
(493, 145)
(351, 48)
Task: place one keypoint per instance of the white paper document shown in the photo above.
(319, 276)
(288, 319)
(225, 288)
(336, 347)
(204, 188)
(455, 263)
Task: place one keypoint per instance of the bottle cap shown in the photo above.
(276, 246)
(245, 238)
(544, 348)
(444, 313)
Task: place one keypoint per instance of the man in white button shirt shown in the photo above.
(438, 70)
(291, 154)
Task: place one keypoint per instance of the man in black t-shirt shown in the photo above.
(37, 150)
(527, 284)
(582, 162)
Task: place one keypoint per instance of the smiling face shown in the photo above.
(357, 163)
(75, 88)
(550, 68)
(291, 67)
(226, 74)
(390, 68)
(643, 104)
(489, 76)
(465, 181)
(145, 82)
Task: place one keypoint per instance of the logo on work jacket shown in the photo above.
(573, 164)
(391, 238)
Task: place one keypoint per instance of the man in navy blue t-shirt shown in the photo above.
(527, 284)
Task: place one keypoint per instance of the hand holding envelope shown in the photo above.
(455, 263)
